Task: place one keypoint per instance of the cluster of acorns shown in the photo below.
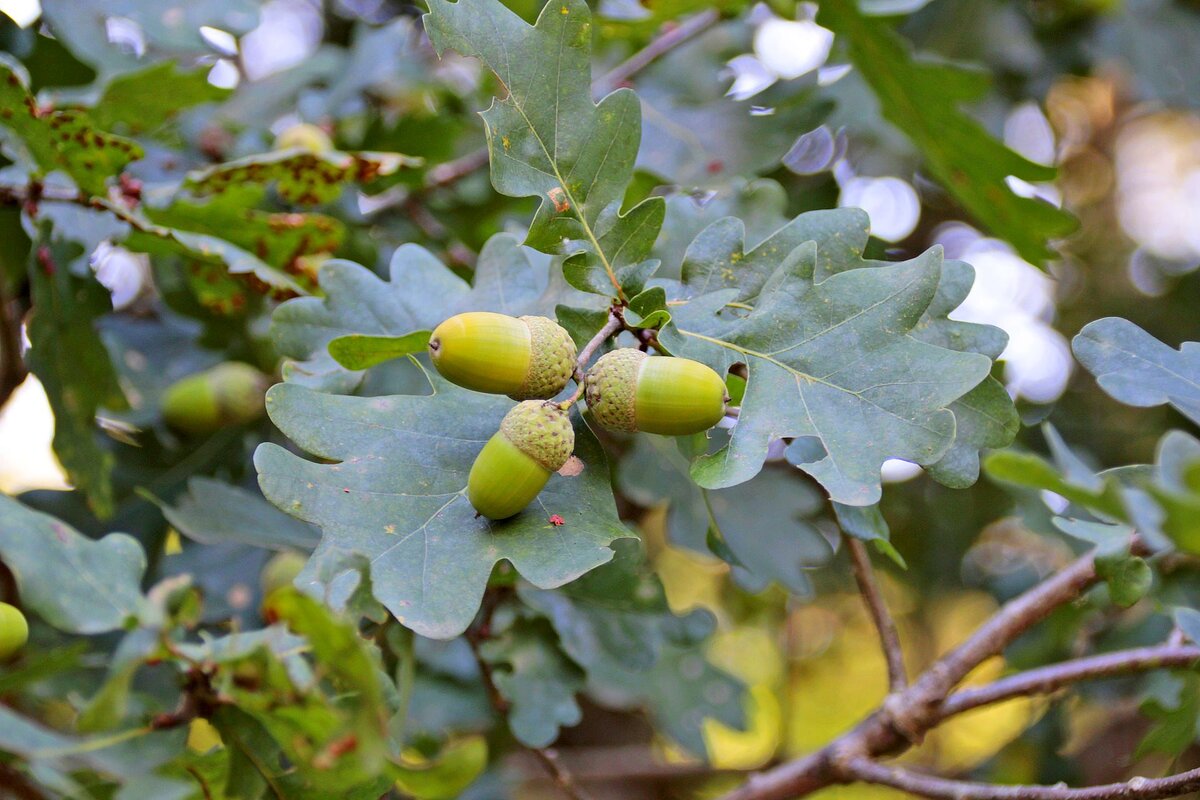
(531, 359)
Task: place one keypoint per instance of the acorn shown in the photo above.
(304, 136)
(534, 440)
(525, 358)
(14, 630)
(628, 390)
(228, 394)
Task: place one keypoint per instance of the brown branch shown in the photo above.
(868, 771)
(613, 326)
(14, 784)
(664, 43)
(889, 637)
(1045, 680)
(453, 171)
(562, 777)
(906, 716)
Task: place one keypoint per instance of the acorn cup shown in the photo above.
(14, 630)
(525, 358)
(535, 439)
(628, 390)
(228, 394)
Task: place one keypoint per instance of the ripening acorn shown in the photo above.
(14, 630)
(628, 390)
(304, 136)
(535, 439)
(525, 358)
(228, 394)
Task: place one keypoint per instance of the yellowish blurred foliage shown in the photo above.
(202, 736)
(752, 655)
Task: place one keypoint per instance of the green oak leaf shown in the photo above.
(299, 176)
(921, 98)
(421, 292)
(1176, 488)
(66, 139)
(70, 360)
(548, 139)
(536, 678)
(358, 352)
(617, 611)
(835, 348)
(144, 100)
(395, 499)
(104, 591)
(1139, 370)
(214, 512)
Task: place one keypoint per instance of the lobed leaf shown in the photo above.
(394, 497)
(548, 139)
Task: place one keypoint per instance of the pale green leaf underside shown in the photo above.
(103, 592)
(358, 351)
(1139, 370)
(396, 499)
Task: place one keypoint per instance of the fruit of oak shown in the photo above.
(304, 136)
(628, 390)
(525, 358)
(14, 630)
(535, 439)
(228, 394)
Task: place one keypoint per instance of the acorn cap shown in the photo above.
(551, 362)
(240, 391)
(611, 389)
(541, 431)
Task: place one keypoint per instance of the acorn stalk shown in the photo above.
(628, 390)
(523, 357)
(535, 440)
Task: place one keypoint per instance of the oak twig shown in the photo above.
(869, 771)
(1049, 679)
(868, 587)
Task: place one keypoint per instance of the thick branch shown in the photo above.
(866, 770)
(889, 638)
(1045, 680)
(908, 715)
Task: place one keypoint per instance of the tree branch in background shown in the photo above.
(1049, 679)
(550, 760)
(868, 587)
(869, 771)
(906, 716)
(453, 171)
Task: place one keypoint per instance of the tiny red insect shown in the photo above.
(557, 521)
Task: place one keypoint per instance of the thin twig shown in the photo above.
(889, 637)
(1048, 679)
(610, 329)
(453, 171)
(868, 771)
(664, 43)
(562, 776)
(906, 716)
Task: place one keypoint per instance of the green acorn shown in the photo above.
(525, 358)
(304, 136)
(534, 440)
(14, 630)
(228, 394)
(628, 390)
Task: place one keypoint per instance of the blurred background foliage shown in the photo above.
(759, 115)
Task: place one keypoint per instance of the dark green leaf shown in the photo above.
(71, 362)
(921, 99)
(143, 101)
(395, 495)
(547, 139)
(213, 512)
